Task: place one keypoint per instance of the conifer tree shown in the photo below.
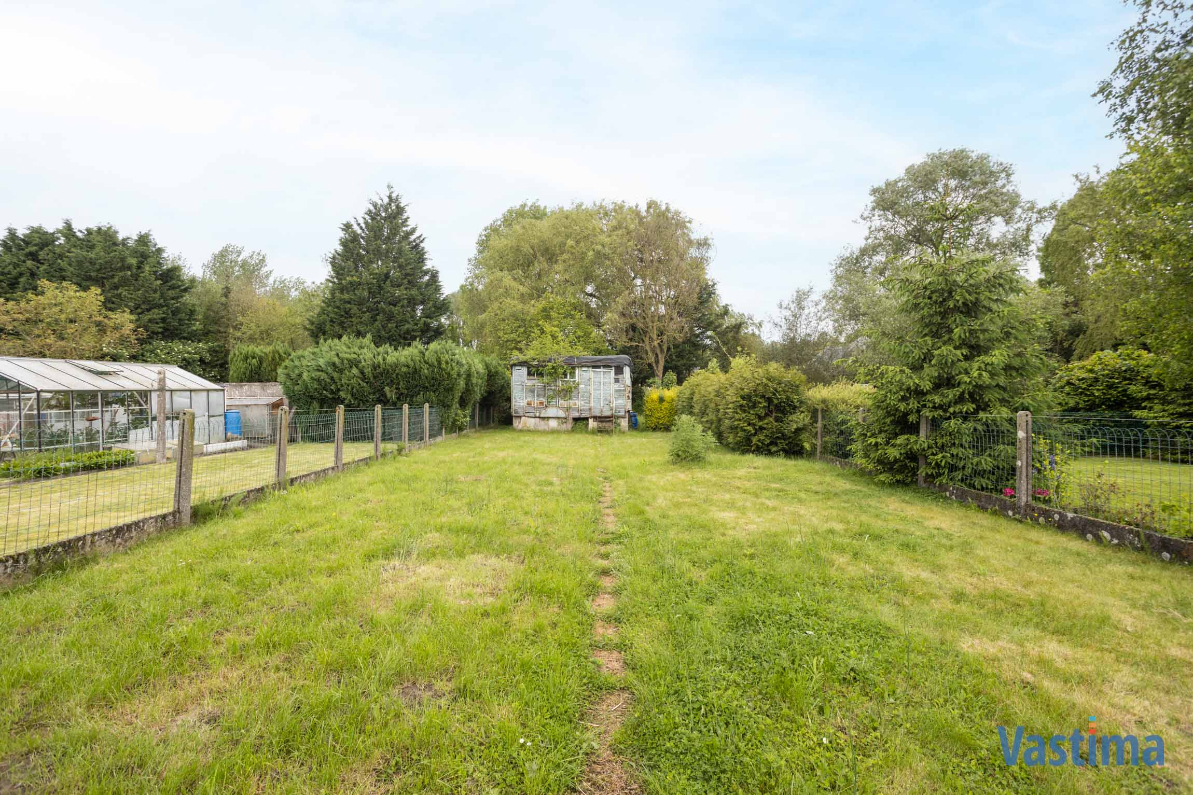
(380, 284)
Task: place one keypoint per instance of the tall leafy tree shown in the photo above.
(380, 283)
(1150, 91)
(662, 267)
(60, 321)
(952, 200)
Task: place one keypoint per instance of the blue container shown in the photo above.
(232, 423)
(634, 420)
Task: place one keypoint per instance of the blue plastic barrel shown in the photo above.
(232, 423)
(634, 420)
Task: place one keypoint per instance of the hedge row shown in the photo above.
(753, 408)
(355, 372)
(256, 363)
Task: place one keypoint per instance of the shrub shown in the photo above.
(669, 380)
(690, 443)
(840, 396)
(700, 397)
(764, 409)
(1126, 380)
(205, 359)
(255, 363)
(752, 409)
(44, 465)
(659, 409)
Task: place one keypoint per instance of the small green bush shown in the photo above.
(659, 409)
(690, 443)
(765, 409)
(46, 465)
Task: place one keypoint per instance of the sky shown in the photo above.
(268, 125)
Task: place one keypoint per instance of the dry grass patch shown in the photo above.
(473, 580)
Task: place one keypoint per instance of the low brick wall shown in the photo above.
(1179, 550)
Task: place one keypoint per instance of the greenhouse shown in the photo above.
(75, 405)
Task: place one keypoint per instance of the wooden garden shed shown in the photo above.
(598, 390)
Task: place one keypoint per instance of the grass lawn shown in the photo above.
(1156, 493)
(36, 512)
(424, 625)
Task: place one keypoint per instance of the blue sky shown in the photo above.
(268, 125)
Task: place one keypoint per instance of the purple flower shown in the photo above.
(1008, 492)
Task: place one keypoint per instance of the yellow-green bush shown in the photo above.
(840, 396)
(659, 409)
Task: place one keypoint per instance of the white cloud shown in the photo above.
(269, 126)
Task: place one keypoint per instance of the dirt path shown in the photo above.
(606, 774)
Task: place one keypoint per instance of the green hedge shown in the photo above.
(45, 465)
(753, 408)
(256, 363)
(354, 372)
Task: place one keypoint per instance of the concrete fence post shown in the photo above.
(377, 432)
(1023, 462)
(339, 446)
(819, 431)
(426, 423)
(283, 437)
(923, 462)
(405, 426)
(185, 467)
(161, 417)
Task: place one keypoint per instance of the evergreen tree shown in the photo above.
(380, 284)
(134, 274)
(968, 349)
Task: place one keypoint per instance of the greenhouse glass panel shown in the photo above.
(54, 420)
(88, 422)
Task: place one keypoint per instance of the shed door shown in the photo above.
(602, 391)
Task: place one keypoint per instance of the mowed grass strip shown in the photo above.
(423, 625)
(37, 512)
(419, 625)
(790, 627)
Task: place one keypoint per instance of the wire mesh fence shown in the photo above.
(57, 495)
(837, 433)
(1132, 472)
(1128, 471)
(976, 452)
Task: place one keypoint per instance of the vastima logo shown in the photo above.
(1081, 750)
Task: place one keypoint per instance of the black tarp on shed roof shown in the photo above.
(586, 361)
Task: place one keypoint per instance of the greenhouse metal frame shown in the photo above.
(78, 404)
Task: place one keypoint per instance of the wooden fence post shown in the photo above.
(819, 431)
(184, 467)
(161, 417)
(377, 432)
(1023, 462)
(405, 426)
(283, 442)
(339, 451)
(923, 462)
(426, 424)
